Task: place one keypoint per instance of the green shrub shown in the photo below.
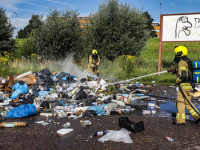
(25, 48)
(59, 36)
(117, 29)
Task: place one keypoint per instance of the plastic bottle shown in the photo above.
(75, 90)
(146, 112)
(101, 133)
(138, 94)
(85, 122)
(71, 117)
(169, 139)
(13, 124)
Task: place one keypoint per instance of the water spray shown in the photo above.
(128, 80)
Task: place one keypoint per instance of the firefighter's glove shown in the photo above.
(178, 81)
(95, 67)
(173, 71)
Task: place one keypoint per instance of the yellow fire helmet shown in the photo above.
(180, 51)
(94, 51)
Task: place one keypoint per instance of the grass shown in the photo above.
(22, 66)
(146, 63)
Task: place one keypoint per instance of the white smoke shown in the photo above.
(68, 66)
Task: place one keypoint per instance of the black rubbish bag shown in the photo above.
(49, 80)
(44, 104)
(45, 72)
(61, 82)
(83, 80)
(89, 113)
(124, 122)
(40, 81)
(63, 74)
(81, 95)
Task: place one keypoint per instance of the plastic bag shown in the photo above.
(92, 83)
(22, 111)
(117, 136)
(45, 72)
(43, 93)
(62, 132)
(103, 84)
(110, 106)
(19, 89)
(81, 95)
(98, 109)
(72, 76)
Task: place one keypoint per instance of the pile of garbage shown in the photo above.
(64, 95)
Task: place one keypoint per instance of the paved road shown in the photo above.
(36, 136)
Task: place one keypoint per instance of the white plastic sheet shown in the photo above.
(64, 131)
(117, 136)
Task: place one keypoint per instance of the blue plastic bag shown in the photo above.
(19, 89)
(125, 95)
(43, 93)
(61, 101)
(64, 78)
(22, 111)
(95, 79)
(55, 75)
(72, 76)
(98, 109)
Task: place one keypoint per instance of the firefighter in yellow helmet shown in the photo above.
(183, 80)
(94, 61)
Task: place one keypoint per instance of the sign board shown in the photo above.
(178, 28)
(185, 27)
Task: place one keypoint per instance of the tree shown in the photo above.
(22, 34)
(34, 23)
(150, 27)
(60, 35)
(117, 29)
(6, 33)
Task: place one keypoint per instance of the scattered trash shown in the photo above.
(42, 122)
(66, 125)
(101, 133)
(51, 121)
(169, 139)
(46, 114)
(85, 123)
(22, 111)
(146, 112)
(12, 124)
(98, 109)
(62, 95)
(153, 111)
(124, 122)
(62, 132)
(116, 136)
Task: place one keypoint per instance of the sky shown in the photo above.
(24, 9)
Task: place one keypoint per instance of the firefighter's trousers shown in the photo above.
(182, 104)
(90, 69)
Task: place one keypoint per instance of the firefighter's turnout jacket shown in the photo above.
(93, 65)
(183, 80)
